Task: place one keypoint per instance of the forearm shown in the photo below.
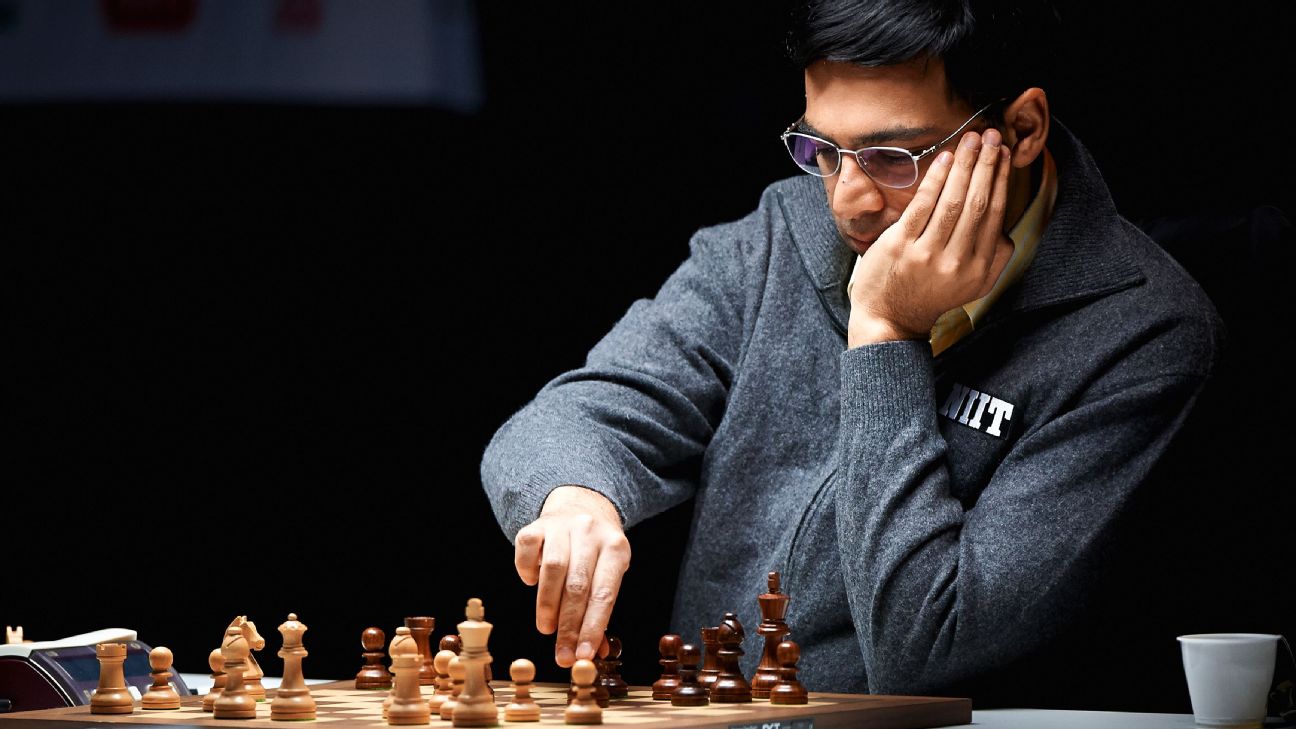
(898, 525)
(938, 594)
(541, 449)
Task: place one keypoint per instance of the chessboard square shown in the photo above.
(711, 710)
(638, 694)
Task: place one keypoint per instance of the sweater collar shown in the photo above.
(1078, 257)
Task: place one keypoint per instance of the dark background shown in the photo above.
(252, 353)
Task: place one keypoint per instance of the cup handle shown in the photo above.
(1283, 697)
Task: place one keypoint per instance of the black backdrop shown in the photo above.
(252, 353)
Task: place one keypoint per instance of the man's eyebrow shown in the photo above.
(874, 139)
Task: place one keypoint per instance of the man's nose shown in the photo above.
(855, 193)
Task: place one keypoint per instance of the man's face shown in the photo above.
(904, 106)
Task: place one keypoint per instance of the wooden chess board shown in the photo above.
(341, 706)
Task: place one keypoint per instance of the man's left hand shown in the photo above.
(947, 249)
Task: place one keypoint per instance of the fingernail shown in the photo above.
(971, 141)
(944, 157)
(565, 657)
(584, 651)
(992, 137)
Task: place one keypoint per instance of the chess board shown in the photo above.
(340, 706)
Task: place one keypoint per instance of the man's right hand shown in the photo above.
(576, 552)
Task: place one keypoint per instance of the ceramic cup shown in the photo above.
(1229, 675)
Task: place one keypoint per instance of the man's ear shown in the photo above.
(1026, 126)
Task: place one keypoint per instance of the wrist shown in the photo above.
(570, 498)
(862, 330)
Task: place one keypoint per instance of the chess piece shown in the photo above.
(664, 687)
(711, 658)
(689, 692)
(731, 686)
(235, 702)
(111, 697)
(523, 707)
(421, 628)
(600, 694)
(611, 680)
(407, 704)
(217, 664)
(456, 670)
(788, 690)
(373, 675)
(773, 607)
(476, 704)
(445, 684)
(391, 694)
(293, 701)
(161, 695)
(451, 643)
(252, 673)
(584, 709)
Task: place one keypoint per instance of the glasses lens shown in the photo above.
(812, 155)
(890, 167)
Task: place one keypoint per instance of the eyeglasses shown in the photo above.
(888, 166)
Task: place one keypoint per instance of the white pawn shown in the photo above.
(523, 707)
(161, 695)
(456, 671)
(445, 685)
(584, 708)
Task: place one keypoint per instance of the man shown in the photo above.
(923, 381)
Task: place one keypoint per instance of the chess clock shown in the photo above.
(51, 674)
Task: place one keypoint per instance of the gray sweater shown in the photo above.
(934, 518)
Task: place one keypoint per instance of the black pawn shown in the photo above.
(616, 687)
(689, 692)
(664, 687)
(788, 690)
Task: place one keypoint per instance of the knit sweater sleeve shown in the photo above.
(938, 594)
(633, 422)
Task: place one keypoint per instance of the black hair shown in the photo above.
(992, 49)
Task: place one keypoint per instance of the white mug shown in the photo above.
(1229, 675)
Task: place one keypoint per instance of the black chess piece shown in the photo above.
(689, 692)
(773, 628)
(788, 690)
(373, 675)
(710, 657)
(731, 687)
(664, 687)
(616, 687)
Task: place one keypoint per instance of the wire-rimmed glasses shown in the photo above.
(887, 166)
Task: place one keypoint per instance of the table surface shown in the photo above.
(988, 719)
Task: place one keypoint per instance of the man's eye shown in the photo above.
(888, 158)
